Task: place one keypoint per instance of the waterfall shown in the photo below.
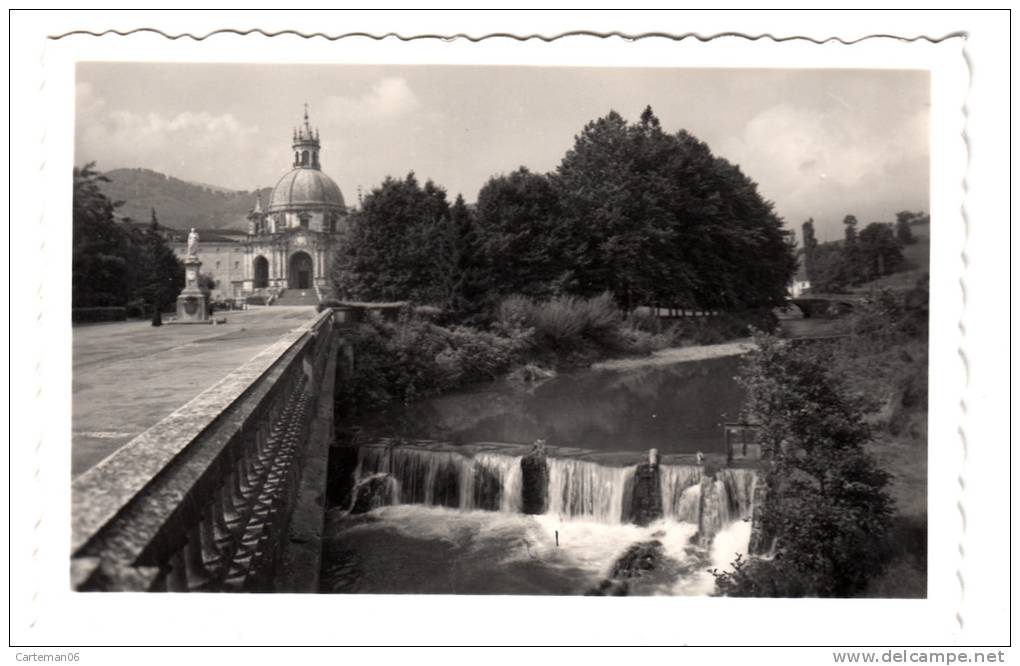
(680, 486)
(727, 498)
(490, 481)
(507, 470)
(739, 490)
(578, 488)
(372, 492)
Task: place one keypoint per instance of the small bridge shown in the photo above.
(825, 306)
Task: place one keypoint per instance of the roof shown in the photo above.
(304, 187)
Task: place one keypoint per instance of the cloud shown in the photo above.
(829, 162)
(203, 145)
(388, 98)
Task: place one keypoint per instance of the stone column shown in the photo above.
(646, 503)
(534, 483)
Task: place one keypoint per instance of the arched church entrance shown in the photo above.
(300, 274)
(260, 270)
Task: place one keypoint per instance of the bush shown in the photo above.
(565, 323)
(413, 359)
(94, 315)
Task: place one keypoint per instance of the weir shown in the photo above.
(226, 492)
(495, 477)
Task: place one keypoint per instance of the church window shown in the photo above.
(303, 220)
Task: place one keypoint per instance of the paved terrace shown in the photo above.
(128, 376)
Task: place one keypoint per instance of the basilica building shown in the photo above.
(291, 241)
(286, 254)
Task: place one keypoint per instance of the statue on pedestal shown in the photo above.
(193, 302)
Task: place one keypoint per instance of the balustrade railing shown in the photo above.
(202, 500)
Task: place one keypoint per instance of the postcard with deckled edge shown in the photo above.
(448, 331)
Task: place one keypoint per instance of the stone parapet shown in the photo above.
(203, 500)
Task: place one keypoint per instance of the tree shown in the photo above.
(879, 251)
(101, 273)
(904, 234)
(656, 217)
(163, 271)
(825, 508)
(518, 215)
(850, 230)
(466, 271)
(810, 245)
(398, 245)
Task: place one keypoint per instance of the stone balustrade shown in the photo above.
(216, 496)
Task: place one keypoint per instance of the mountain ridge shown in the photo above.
(179, 204)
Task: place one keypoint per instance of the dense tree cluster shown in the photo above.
(650, 217)
(870, 253)
(112, 263)
(408, 243)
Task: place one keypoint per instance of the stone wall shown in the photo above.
(226, 491)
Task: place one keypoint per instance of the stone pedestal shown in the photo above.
(193, 303)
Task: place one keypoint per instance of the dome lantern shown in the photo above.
(306, 145)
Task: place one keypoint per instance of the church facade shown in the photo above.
(291, 241)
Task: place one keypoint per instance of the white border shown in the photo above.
(43, 115)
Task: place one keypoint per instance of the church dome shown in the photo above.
(305, 187)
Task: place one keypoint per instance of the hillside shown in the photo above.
(178, 203)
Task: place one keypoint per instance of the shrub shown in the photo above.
(564, 323)
(412, 358)
(94, 315)
(135, 309)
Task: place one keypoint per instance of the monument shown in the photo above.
(193, 302)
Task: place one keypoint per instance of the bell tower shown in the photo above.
(306, 145)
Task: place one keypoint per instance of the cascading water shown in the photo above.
(582, 489)
(490, 481)
(577, 489)
(680, 486)
(740, 485)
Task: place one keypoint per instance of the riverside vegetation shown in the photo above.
(843, 425)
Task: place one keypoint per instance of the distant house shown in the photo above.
(800, 283)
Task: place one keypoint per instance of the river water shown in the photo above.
(447, 518)
(677, 408)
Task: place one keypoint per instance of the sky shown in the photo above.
(820, 143)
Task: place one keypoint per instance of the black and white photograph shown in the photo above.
(525, 330)
(508, 330)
